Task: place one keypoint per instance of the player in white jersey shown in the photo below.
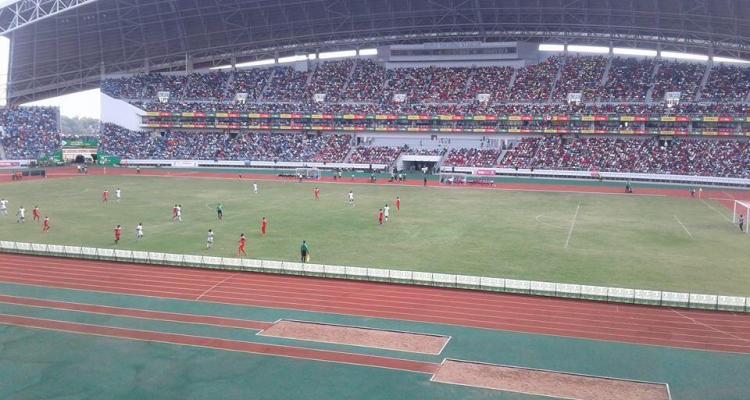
(351, 198)
(210, 239)
(139, 231)
(3, 206)
(386, 212)
(255, 188)
(179, 213)
(21, 214)
(118, 194)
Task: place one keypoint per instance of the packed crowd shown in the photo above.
(628, 80)
(330, 78)
(287, 84)
(727, 83)
(704, 157)
(211, 86)
(412, 82)
(176, 145)
(335, 150)
(366, 82)
(534, 83)
(349, 83)
(494, 81)
(375, 155)
(680, 77)
(473, 108)
(581, 75)
(447, 85)
(471, 157)
(29, 132)
(251, 81)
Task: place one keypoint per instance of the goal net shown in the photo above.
(741, 212)
(308, 173)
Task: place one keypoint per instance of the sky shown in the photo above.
(81, 104)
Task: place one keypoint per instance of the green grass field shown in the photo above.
(642, 242)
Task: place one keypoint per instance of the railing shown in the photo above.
(551, 289)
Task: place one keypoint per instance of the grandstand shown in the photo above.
(449, 196)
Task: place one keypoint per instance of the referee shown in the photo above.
(304, 252)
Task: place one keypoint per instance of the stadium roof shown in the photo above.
(61, 46)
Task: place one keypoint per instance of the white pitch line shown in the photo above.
(214, 287)
(717, 211)
(683, 226)
(572, 225)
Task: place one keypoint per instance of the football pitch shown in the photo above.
(661, 243)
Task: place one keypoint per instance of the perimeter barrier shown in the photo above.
(550, 289)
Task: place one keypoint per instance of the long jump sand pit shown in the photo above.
(358, 336)
(547, 383)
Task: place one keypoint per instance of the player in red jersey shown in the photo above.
(105, 196)
(317, 193)
(35, 212)
(263, 226)
(174, 212)
(118, 234)
(45, 226)
(381, 216)
(243, 243)
(398, 203)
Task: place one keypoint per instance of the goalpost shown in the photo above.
(308, 173)
(741, 208)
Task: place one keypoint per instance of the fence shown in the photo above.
(563, 290)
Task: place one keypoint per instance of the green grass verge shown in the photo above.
(629, 241)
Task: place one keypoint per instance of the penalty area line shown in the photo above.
(683, 226)
(572, 226)
(716, 211)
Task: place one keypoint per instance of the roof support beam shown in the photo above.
(25, 12)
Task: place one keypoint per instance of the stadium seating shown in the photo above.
(703, 157)
(628, 80)
(286, 85)
(365, 86)
(211, 145)
(727, 83)
(610, 86)
(211, 86)
(534, 83)
(471, 157)
(335, 150)
(366, 83)
(494, 81)
(581, 75)
(678, 77)
(250, 81)
(29, 132)
(375, 155)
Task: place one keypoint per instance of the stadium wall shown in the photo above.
(485, 172)
(550, 289)
(246, 164)
(545, 173)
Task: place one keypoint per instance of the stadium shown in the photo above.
(414, 199)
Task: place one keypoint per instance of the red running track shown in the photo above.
(690, 329)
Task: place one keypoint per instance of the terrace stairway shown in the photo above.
(702, 86)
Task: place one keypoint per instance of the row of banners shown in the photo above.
(444, 117)
(561, 130)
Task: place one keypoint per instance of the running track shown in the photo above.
(690, 329)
